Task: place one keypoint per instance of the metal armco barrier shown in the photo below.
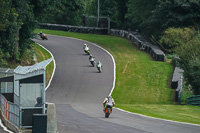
(142, 43)
(90, 30)
(10, 110)
(193, 100)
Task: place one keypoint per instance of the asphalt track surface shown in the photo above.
(78, 90)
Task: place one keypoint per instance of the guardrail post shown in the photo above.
(43, 91)
(180, 91)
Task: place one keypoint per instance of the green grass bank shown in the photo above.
(142, 85)
(41, 55)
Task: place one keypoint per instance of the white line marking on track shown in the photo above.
(4, 128)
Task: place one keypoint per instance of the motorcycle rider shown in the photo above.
(91, 58)
(108, 98)
(42, 35)
(99, 63)
(86, 47)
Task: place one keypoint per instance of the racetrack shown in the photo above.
(78, 90)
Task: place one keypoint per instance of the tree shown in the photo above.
(9, 25)
(189, 60)
(66, 12)
(4, 6)
(175, 13)
(174, 37)
(121, 11)
(17, 22)
(138, 14)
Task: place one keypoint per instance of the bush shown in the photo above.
(3, 62)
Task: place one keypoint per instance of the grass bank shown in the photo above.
(141, 83)
(41, 55)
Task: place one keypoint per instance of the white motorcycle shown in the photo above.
(99, 68)
(87, 50)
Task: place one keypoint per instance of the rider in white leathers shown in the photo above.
(85, 47)
(99, 63)
(106, 100)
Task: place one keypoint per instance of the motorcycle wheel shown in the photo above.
(107, 115)
(92, 64)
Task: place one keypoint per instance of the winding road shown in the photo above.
(77, 90)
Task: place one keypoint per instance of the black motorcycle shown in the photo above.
(92, 61)
(108, 108)
(44, 37)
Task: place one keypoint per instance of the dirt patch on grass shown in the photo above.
(35, 58)
(126, 66)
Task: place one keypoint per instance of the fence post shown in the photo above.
(180, 91)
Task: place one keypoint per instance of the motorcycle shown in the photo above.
(92, 61)
(108, 108)
(44, 37)
(99, 68)
(87, 51)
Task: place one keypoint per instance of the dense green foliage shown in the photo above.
(189, 60)
(176, 13)
(17, 22)
(184, 44)
(138, 14)
(8, 29)
(174, 37)
(66, 12)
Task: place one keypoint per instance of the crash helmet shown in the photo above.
(91, 56)
(85, 44)
(109, 96)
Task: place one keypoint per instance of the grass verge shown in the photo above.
(141, 83)
(41, 55)
(181, 113)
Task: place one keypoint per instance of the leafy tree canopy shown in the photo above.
(189, 60)
(174, 37)
(139, 12)
(17, 21)
(175, 13)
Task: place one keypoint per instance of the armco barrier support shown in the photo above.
(176, 83)
(51, 118)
